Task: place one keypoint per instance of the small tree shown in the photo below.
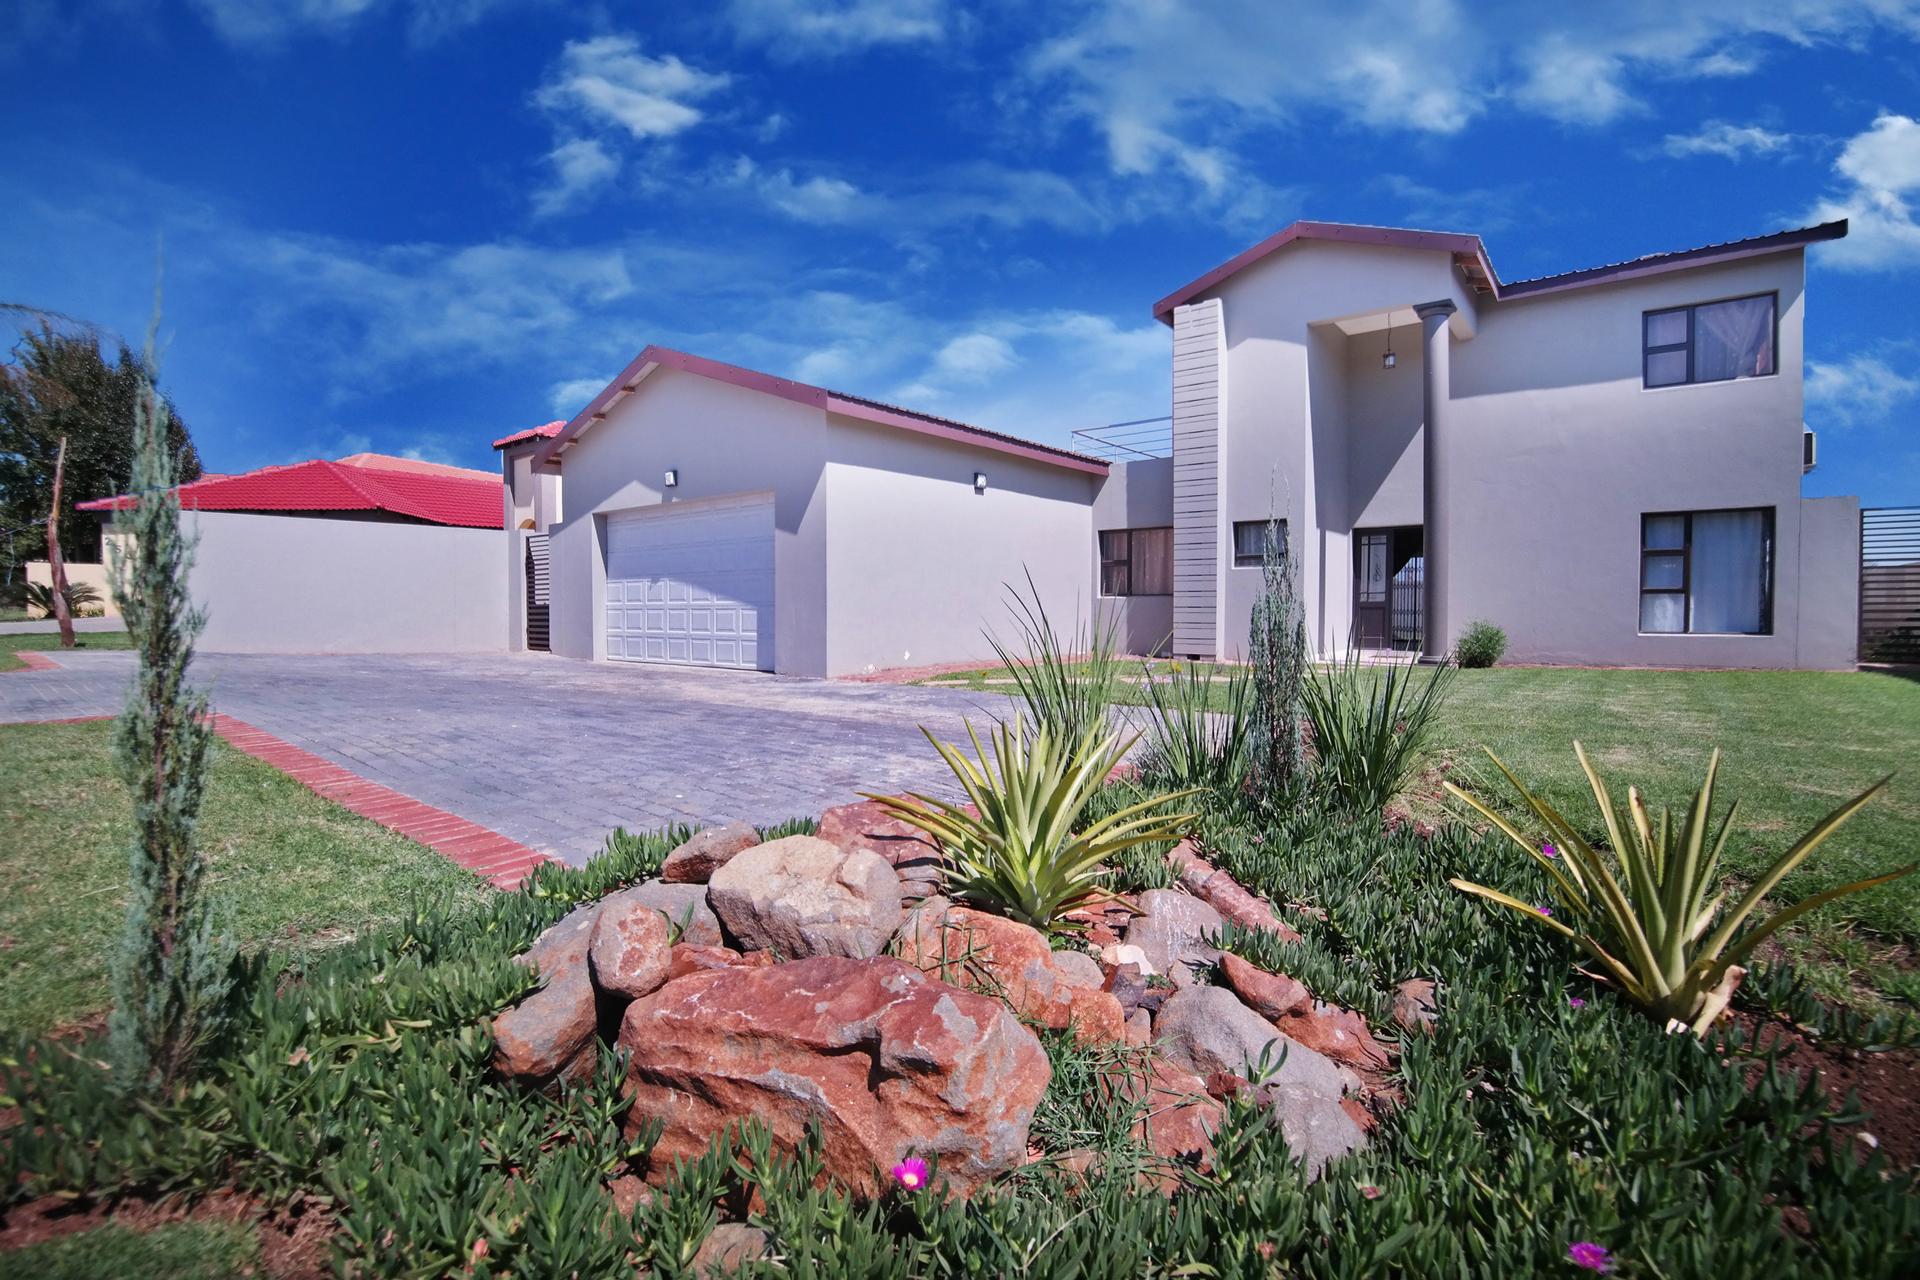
(170, 973)
(58, 607)
(1277, 652)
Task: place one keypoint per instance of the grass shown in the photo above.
(287, 865)
(1796, 743)
(10, 645)
(177, 1251)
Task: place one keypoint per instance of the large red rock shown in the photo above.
(909, 850)
(1181, 1118)
(1341, 1034)
(1225, 894)
(887, 1061)
(1005, 958)
(631, 949)
(549, 1035)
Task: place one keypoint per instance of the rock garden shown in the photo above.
(1253, 993)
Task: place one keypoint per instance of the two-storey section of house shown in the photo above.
(1606, 463)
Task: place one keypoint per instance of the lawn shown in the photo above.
(1795, 744)
(10, 645)
(287, 866)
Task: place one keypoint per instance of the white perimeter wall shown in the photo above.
(315, 584)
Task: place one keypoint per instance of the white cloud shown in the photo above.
(273, 22)
(1722, 138)
(1859, 389)
(1880, 175)
(606, 81)
(580, 167)
(974, 357)
(1474, 209)
(1165, 80)
(571, 396)
(794, 28)
(816, 199)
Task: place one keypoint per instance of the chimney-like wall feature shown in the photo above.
(1199, 403)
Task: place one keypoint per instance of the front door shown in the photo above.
(1388, 588)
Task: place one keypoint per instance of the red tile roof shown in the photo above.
(367, 482)
(545, 431)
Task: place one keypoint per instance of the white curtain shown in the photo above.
(1729, 571)
(1733, 339)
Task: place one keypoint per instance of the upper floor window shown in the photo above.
(1250, 542)
(1707, 571)
(1136, 562)
(1711, 342)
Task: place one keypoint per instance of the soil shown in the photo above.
(1886, 1085)
(293, 1242)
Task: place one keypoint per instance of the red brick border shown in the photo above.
(501, 860)
(33, 660)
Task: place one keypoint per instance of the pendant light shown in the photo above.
(1386, 358)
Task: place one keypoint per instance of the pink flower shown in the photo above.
(911, 1173)
(1547, 850)
(1371, 1192)
(1589, 1256)
(1575, 1002)
(1545, 911)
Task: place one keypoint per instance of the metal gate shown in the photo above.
(538, 588)
(1890, 584)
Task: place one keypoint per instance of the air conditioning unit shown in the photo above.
(1808, 452)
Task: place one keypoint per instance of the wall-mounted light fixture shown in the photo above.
(1387, 360)
(979, 482)
(673, 476)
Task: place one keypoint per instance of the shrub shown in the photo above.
(1480, 645)
(1662, 935)
(1189, 744)
(1026, 854)
(1066, 684)
(1371, 727)
(1277, 654)
(83, 599)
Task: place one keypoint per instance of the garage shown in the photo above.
(692, 583)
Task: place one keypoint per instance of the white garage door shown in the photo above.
(692, 584)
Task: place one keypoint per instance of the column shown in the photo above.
(1436, 390)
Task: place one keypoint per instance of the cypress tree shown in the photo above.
(171, 973)
(1277, 652)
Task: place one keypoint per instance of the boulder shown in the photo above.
(889, 1062)
(727, 1248)
(1079, 969)
(696, 860)
(1181, 1118)
(1340, 1034)
(1206, 1030)
(908, 850)
(684, 906)
(1126, 985)
(1010, 960)
(1120, 954)
(1271, 995)
(803, 897)
(1139, 1029)
(687, 958)
(1225, 894)
(630, 951)
(549, 1035)
(1172, 933)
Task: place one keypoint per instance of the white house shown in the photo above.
(1606, 463)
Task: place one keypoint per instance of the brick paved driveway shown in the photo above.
(556, 753)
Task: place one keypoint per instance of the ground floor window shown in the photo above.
(1250, 542)
(1707, 572)
(1136, 562)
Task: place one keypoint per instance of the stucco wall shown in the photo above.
(1829, 583)
(1135, 495)
(89, 573)
(722, 440)
(1562, 450)
(919, 564)
(309, 584)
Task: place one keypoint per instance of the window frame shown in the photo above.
(1685, 553)
(1124, 561)
(1648, 351)
(1258, 561)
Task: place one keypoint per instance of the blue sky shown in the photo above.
(414, 225)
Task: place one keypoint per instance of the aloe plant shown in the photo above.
(1019, 851)
(1661, 935)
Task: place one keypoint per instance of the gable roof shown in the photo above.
(1470, 256)
(545, 431)
(366, 482)
(657, 357)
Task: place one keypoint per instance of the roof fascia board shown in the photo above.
(870, 413)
